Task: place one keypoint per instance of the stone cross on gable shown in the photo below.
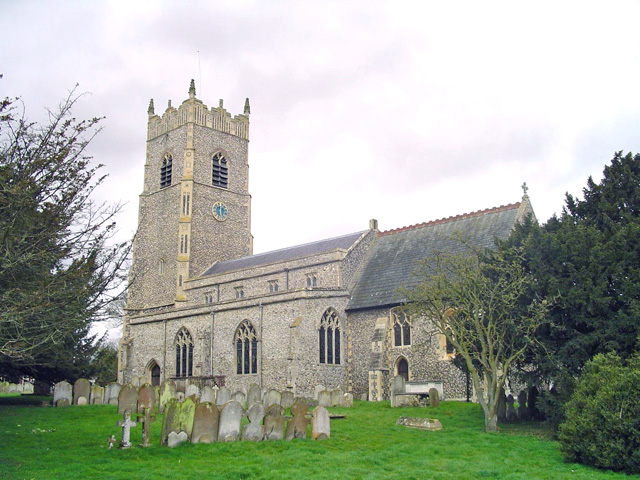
(146, 418)
(126, 425)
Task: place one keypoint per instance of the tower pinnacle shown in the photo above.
(150, 110)
(192, 89)
(247, 108)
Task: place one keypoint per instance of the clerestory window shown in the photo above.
(165, 171)
(219, 171)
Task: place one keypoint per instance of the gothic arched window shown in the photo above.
(246, 342)
(219, 171)
(329, 338)
(165, 171)
(402, 368)
(184, 353)
(401, 329)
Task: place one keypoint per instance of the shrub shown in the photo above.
(602, 426)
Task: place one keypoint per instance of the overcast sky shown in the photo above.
(400, 111)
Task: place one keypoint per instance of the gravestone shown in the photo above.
(208, 395)
(62, 394)
(128, 399)
(167, 392)
(297, 426)
(320, 426)
(510, 411)
(336, 397)
(397, 387)
(274, 423)
(420, 423)
(434, 397)
(324, 398)
(97, 395)
(230, 418)
(174, 439)
(364, 397)
(502, 406)
(287, 399)
(170, 410)
(146, 398)
(317, 389)
(146, 418)
(254, 395)
(241, 398)
(205, 423)
(183, 418)
(272, 397)
(126, 425)
(81, 392)
(192, 390)
(523, 413)
(223, 396)
(111, 393)
(347, 400)
(254, 430)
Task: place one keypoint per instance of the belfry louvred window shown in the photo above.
(246, 342)
(184, 353)
(165, 171)
(329, 338)
(219, 171)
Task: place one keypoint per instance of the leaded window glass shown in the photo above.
(329, 338)
(401, 329)
(246, 349)
(184, 353)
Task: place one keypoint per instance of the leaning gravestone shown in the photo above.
(254, 430)
(184, 416)
(170, 410)
(111, 393)
(223, 396)
(208, 395)
(230, 418)
(287, 399)
(272, 397)
(434, 397)
(274, 423)
(62, 394)
(254, 395)
(205, 423)
(192, 390)
(297, 426)
(146, 398)
(97, 395)
(167, 392)
(320, 426)
(240, 397)
(336, 397)
(324, 398)
(128, 399)
(81, 392)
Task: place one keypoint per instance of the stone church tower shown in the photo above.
(195, 208)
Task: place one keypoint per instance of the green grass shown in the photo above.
(61, 443)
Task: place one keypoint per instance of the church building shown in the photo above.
(201, 308)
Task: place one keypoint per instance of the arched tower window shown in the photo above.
(401, 328)
(184, 353)
(329, 338)
(246, 342)
(165, 171)
(219, 171)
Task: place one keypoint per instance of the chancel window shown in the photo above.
(401, 329)
(165, 171)
(184, 353)
(219, 171)
(329, 338)
(246, 342)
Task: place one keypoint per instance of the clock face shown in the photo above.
(219, 211)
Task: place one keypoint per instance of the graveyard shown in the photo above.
(40, 442)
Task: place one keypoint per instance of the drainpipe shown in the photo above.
(164, 352)
(260, 340)
(211, 345)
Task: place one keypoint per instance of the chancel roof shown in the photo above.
(323, 246)
(395, 254)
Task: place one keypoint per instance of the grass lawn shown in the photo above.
(60, 443)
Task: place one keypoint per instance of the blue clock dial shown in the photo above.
(220, 211)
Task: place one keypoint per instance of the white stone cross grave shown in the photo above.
(126, 425)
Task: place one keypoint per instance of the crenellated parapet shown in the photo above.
(195, 111)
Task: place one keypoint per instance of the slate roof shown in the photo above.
(323, 246)
(395, 254)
